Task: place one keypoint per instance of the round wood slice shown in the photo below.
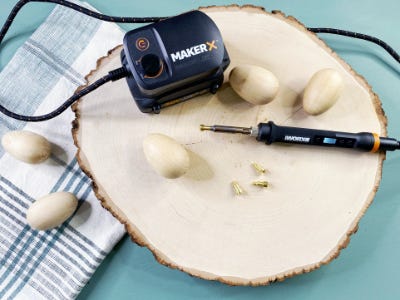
(196, 223)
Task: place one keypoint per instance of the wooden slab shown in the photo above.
(196, 223)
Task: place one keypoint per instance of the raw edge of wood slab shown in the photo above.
(141, 240)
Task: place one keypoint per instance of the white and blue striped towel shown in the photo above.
(48, 68)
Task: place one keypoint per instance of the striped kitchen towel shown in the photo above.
(47, 69)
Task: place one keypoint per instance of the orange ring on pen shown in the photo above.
(377, 142)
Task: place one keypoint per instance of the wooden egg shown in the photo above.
(167, 157)
(26, 146)
(322, 91)
(51, 211)
(254, 84)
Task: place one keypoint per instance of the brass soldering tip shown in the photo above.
(227, 129)
(205, 127)
(261, 183)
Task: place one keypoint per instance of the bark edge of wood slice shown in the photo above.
(235, 279)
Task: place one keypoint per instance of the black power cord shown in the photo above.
(360, 36)
(76, 7)
(122, 72)
(111, 76)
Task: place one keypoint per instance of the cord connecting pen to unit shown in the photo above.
(272, 133)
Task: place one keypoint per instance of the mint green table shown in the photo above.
(369, 268)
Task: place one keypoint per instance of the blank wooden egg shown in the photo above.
(254, 84)
(167, 157)
(26, 146)
(322, 91)
(51, 210)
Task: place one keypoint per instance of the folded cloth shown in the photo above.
(47, 69)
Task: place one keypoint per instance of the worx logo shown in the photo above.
(300, 139)
(194, 50)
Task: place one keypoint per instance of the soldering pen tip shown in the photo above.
(205, 127)
(228, 129)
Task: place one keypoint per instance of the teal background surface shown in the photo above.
(369, 268)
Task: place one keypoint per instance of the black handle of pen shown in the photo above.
(272, 133)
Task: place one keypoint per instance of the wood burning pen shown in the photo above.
(271, 133)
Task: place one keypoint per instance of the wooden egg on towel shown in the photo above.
(167, 157)
(322, 91)
(51, 210)
(26, 146)
(254, 84)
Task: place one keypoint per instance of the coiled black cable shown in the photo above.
(121, 72)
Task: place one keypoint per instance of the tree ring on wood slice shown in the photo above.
(196, 223)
